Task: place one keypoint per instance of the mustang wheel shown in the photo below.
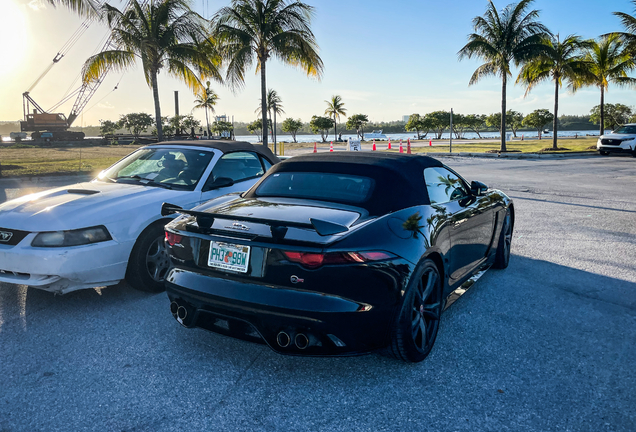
(149, 261)
(415, 329)
(502, 256)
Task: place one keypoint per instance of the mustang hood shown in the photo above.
(82, 205)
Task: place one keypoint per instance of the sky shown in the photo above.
(385, 59)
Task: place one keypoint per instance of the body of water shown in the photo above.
(405, 136)
(401, 136)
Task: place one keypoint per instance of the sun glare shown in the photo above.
(13, 35)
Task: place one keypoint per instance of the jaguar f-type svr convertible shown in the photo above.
(336, 254)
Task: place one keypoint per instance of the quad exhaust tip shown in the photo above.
(301, 341)
(182, 312)
(283, 339)
(174, 307)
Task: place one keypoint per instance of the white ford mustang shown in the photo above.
(98, 233)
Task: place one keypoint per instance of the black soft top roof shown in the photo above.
(399, 178)
(224, 146)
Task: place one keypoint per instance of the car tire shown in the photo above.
(415, 328)
(603, 153)
(502, 255)
(149, 260)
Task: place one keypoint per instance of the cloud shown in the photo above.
(37, 5)
(105, 105)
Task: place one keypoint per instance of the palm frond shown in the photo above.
(98, 64)
(87, 8)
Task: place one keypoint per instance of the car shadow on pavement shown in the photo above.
(553, 345)
(529, 287)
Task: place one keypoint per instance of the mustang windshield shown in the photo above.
(178, 168)
(331, 187)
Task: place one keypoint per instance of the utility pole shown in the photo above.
(451, 132)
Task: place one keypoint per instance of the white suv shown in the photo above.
(622, 140)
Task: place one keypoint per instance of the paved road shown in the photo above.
(546, 345)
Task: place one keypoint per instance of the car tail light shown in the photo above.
(173, 238)
(314, 260)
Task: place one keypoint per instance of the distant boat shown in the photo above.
(376, 134)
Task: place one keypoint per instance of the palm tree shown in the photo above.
(335, 108)
(559, 62)
(206, 99)
(607, 61)
(163, 34)
(261, 29)
(274, 104)
(501, 39)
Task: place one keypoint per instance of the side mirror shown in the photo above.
(220, 182)
(477, 188)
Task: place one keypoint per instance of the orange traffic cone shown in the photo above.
(430, 143)
(315, 149)
(408, 146)
(373, 145)
(389, 147)
(331, 146)
(401, 149)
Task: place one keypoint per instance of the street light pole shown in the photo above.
(274, 130)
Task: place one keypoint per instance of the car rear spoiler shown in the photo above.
(277, 228)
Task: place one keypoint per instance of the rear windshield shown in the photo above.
(626, 130)
(331, 187)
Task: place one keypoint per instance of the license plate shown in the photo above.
(229, 257)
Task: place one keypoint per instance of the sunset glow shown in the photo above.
(13, 34)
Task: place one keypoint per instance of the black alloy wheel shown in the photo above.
(502, 256)
(415, 329)
(149, 260)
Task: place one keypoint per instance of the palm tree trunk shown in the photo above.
(556, 116)
(602, 129)
(207, 121)
(504, 81)
(335, 128)
(155, 94)
(264, 102)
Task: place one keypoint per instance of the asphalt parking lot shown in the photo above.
(546, 345)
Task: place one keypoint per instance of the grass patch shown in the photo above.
(30, 161)
(23, 160)
(566, 145)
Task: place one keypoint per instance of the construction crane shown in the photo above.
(54, 126)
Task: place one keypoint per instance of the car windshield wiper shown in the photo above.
(146, 181)
(135, 177)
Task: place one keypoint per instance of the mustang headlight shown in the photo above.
(71, 238)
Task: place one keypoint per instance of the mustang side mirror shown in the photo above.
(477, 188)
(220, 182)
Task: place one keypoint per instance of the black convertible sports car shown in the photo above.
(336, 254)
